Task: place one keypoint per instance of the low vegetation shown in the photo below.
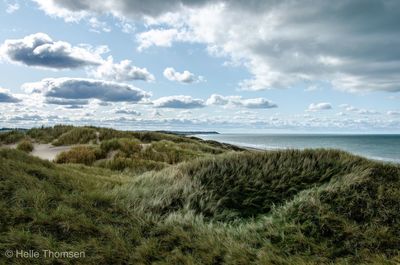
(78, 154)
(11, 137)
(25, 145)
(78, 135)
(166, 201)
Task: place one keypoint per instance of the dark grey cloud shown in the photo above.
(353, 44)
(41, 51)
(130, 8)
(63, 101)
(178, 102)
(6, 97)
(83, 89)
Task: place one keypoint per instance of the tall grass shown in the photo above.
(25, 145)
(78, 135)
(281, 207)
(78, 154)
(11, 137)
(48, 134)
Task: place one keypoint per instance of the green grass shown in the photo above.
(207, 205)
(25, 145)
(78, 135)
(122, 150)
(11, 137)
(78, 154)
(48, 134)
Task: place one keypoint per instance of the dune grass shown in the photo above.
(78, 135)
(11, 137)
(25, 145)
(228, 207)
(78, 154)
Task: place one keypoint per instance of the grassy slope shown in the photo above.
(291, 207)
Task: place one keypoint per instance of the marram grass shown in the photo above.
(206, 204)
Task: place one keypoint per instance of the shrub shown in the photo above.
(25, 145)
(11, 137)
(78, 154)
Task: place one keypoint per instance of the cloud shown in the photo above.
(216, 99)
(27, 117)
(290, 42)
(73, 107)
(393, 113)
(251, 103)
(41, 51)
(184, 77)
(122, 71)
(319, 106)
(257, 103)
(367, 112)
(178, 102)
(6, 97)
(155, 114)
(98, 26)
(54, 8)
(72, 10)
(63, 101)
(11, 8)
(127, 111)
(160, 38)
(353, 109)
(81, 88)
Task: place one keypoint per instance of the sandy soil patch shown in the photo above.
(44, 151)
(48, 151)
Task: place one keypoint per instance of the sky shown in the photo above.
(230, 66)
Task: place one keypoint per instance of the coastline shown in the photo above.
(258, 148)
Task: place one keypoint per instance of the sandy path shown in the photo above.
(44, 151)
(47, 151)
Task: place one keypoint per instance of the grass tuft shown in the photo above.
(25, 145)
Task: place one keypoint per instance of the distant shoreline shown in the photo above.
(383, 148)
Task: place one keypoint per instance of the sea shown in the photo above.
(384, 147)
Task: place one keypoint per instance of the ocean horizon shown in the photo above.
(383, 147)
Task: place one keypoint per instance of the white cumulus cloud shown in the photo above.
(250, 103)
(184, 77)
(122, 71)
(319, 106)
